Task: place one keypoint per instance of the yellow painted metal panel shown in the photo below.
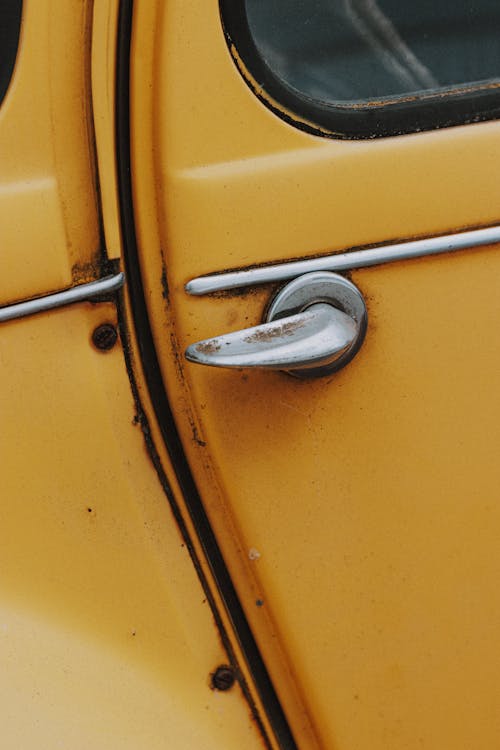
(146, 26)
(261, 190)
(48, 214)
(106, 636)
(370, 496)
(104, 46)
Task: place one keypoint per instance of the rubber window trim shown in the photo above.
(451, 107)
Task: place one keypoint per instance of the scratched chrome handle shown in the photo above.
(316, 337)
(315, 325)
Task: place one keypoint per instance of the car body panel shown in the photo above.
(49, 219)
(107, 636)
(109, 629)
(357, 513)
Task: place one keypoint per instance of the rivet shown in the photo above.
(223, 678)
(105, 337)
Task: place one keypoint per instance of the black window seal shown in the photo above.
(374, 119)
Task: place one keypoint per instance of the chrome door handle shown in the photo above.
(318, 336)
(316, 324)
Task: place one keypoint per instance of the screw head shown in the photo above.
(223, 678)
(105, 337)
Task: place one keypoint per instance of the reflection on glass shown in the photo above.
(347, 51)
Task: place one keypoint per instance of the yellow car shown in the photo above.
(249, 361)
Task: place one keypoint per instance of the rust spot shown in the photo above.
(176, 357)
(85, 272)
(286, 329)
(208, 347)
(82, 273)
(244, 291)
(196, 435)
(164, 286)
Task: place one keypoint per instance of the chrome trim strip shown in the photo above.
(80, 293)
(345, 261)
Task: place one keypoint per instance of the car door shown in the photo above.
(109, 636)
(357, 512)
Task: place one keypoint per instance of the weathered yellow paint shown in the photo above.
(48, 210)
(104, 44)
(107, 638)
(144, 51)
(103, 82)
(229, 161)
(371, 496)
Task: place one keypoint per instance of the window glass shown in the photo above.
(352, 54)
(10, 23)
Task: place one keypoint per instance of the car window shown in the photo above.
(10, 24)
(373, 67)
